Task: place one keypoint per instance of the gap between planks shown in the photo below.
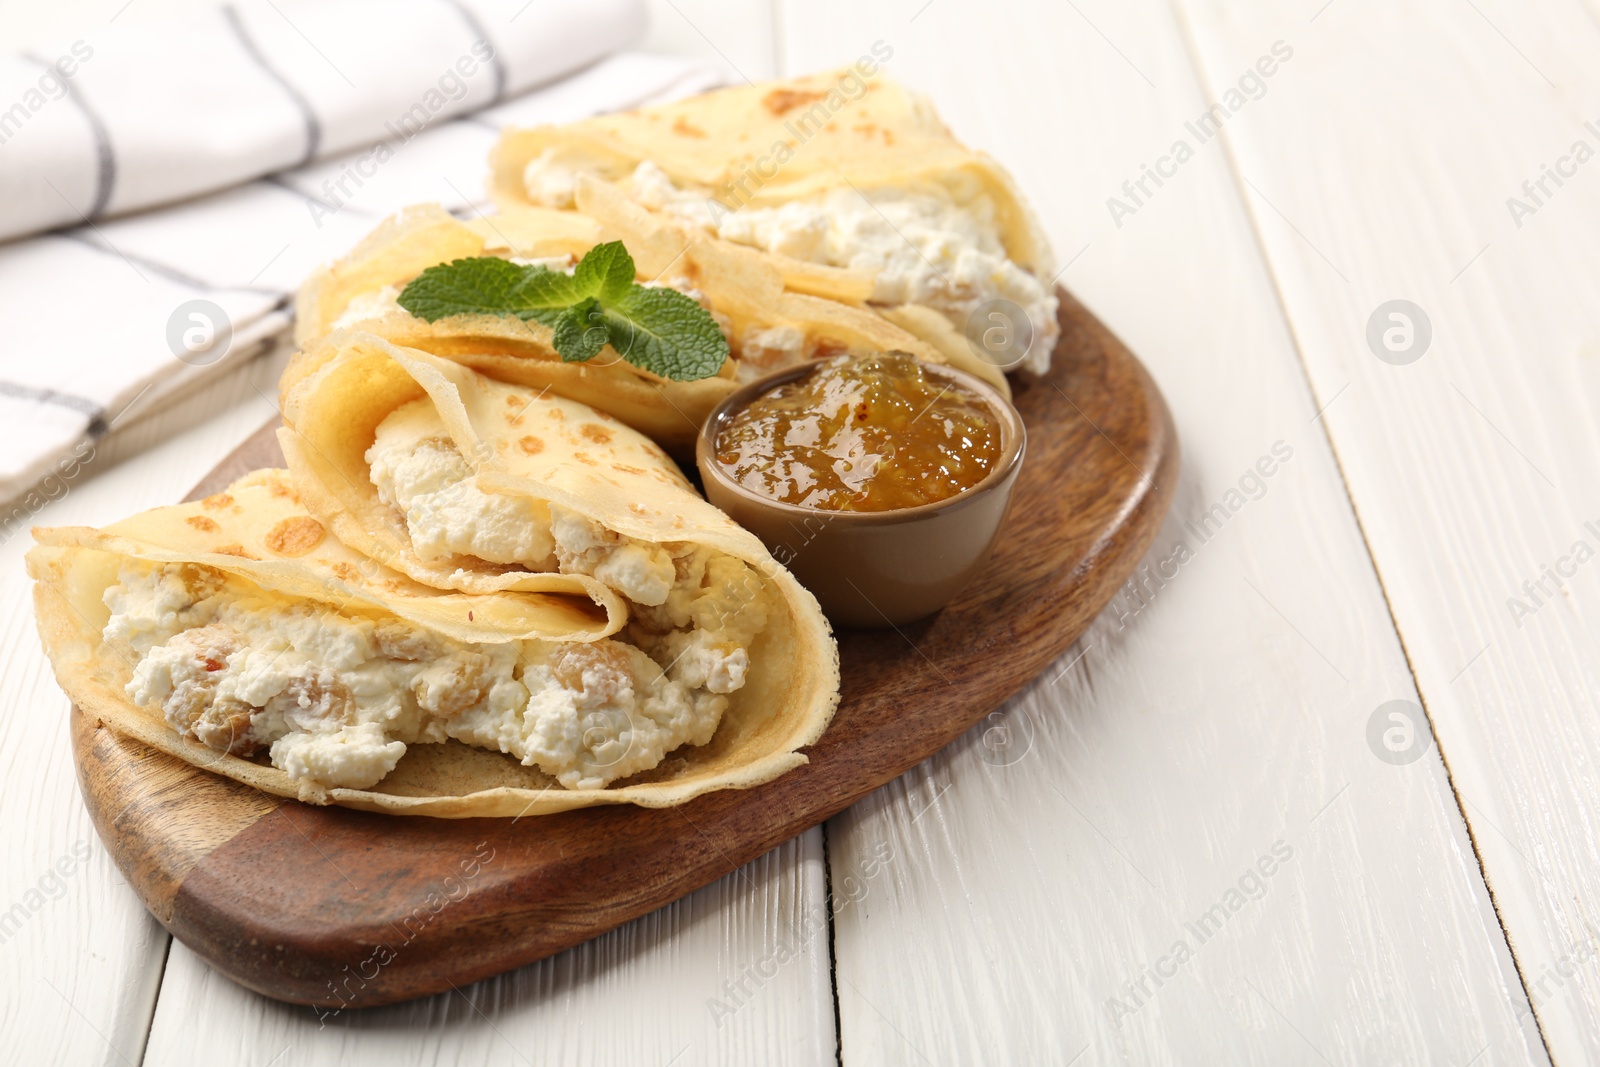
(1197, 64)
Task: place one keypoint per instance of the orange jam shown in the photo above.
(862, 433)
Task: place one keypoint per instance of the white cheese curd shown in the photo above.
(552, 177)
(763, 350)
(920, 244)
(641, 571)
(364, 306)
(598, 712)
(350, 756)
(703, 631)
(419, 471)
(654, 188)
(336, 699)
(157, 604)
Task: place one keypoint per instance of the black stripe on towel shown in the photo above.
(307, 115)
(80, 404)
(172, 274)
(105, 178)
(476, 26)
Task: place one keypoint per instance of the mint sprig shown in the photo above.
(598, 304)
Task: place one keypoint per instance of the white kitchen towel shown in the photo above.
(139, 115)
(332, 115)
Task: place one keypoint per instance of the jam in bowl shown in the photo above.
(881, 481)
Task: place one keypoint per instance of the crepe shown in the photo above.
(291, 600)
(464, 482)
(844, 168)
(766, 305)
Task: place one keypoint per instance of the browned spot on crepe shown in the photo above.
(872, 129)
(203, 524)
(530, 444)
(235, 549)
(596, 433)
(685, 128)
(296, 536)
(780, 101)
(216, 500)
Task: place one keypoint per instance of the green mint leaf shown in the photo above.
(543, 289)
(544, 316)
(661, 330)
(580, 332)
(487, 286)
(666, 333)
(606, 271)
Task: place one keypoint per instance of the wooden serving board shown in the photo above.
(342, 908)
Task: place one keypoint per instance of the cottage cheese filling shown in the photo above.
(920, 245)
(335, 699)
(418, 470)
(370, 305)
(695, 611)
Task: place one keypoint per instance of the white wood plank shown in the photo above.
(81, 970)
(1199, 731)
(660, 990)
(1393, 145)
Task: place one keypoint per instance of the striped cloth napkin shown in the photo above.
(202, 167)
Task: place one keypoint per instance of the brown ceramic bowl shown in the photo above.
(872, 569)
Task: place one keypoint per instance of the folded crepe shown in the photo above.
(767, 306)
(241, 634)
(845, 169)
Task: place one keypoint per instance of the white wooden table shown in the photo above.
(1212, 838)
